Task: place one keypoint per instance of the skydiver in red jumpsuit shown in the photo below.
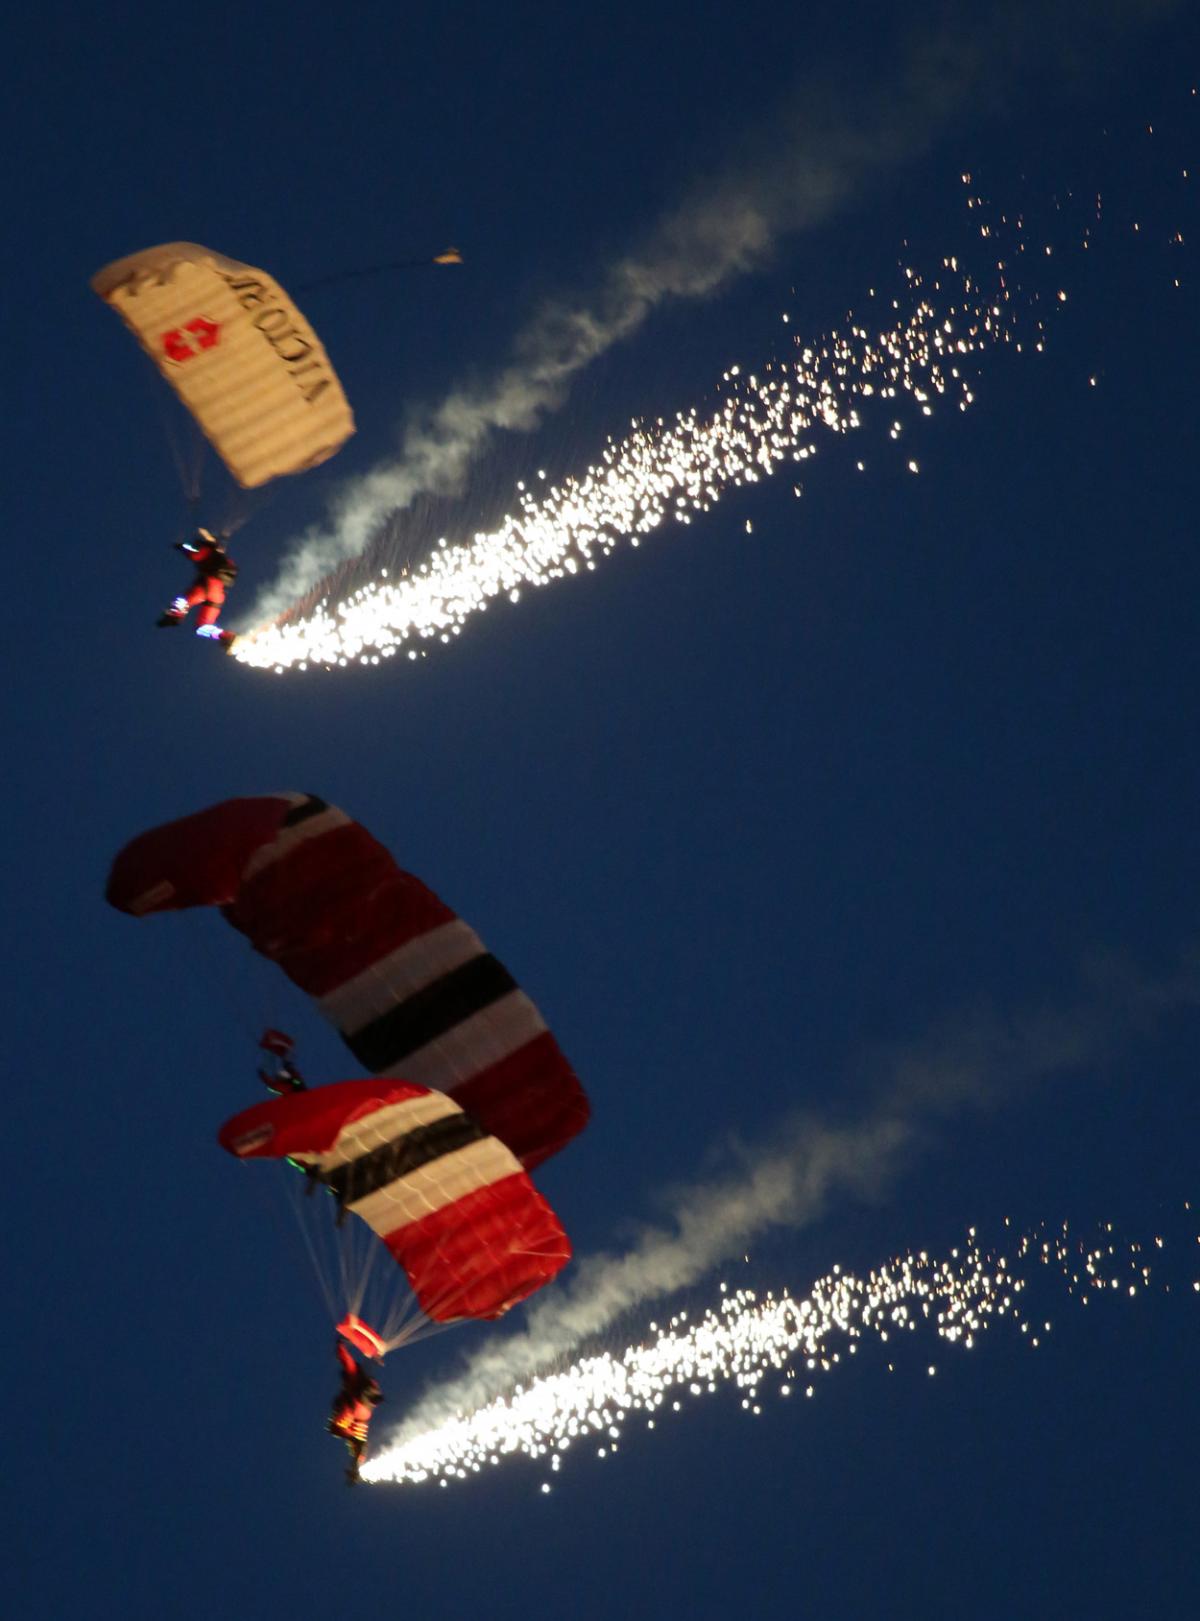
(215, 570)
(352, 1409)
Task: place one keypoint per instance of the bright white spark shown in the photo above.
(666, 470)
(762, 1346)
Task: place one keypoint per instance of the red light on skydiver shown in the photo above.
(361, 1336)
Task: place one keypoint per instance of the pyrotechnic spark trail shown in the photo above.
(928, 353)
(775, 1345)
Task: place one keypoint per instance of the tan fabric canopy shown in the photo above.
(238, 353)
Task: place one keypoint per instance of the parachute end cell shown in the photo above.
(361, 1336)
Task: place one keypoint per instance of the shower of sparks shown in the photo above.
(886, 374)
(774, 1346)
(926, 354)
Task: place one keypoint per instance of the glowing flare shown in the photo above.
(758, 1344)
(661, 471)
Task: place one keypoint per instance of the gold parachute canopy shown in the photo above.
(239, 354)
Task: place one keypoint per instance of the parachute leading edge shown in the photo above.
(239, 354)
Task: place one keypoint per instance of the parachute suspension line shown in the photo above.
(252, 990)
(187, 445)
(360, 1250)
(275, 1198)
(361, 1267)
(404, 1320)
(194, 470)
(450, 256)
(351, 1266)
(416, 1326)
(252, 1013)
(304, 1221)
(344, 1256)
(240, 506)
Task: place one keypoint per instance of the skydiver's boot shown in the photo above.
(214, 633)
(168, 618)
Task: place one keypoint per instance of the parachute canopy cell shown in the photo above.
(409, 985)
(239, 354)
(450, 1202)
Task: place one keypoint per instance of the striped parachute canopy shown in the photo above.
(239, 354)
(409, 985)
(450, 1202)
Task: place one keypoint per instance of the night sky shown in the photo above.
(875, 801)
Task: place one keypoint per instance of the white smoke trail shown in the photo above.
(725, 230)
(824, 150)
(979, 1063)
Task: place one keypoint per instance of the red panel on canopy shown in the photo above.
(409, 985)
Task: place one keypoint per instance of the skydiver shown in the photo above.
(352, 1409)
(215, 570)
(285, 1078)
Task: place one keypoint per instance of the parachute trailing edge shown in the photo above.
(239, 354)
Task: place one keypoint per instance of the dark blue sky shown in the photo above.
(749, 815)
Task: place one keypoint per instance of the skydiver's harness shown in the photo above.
(342, 1421)
(349, 1429)
(218, 567)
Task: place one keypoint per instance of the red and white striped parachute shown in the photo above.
(410, 986)
(450, 1202)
